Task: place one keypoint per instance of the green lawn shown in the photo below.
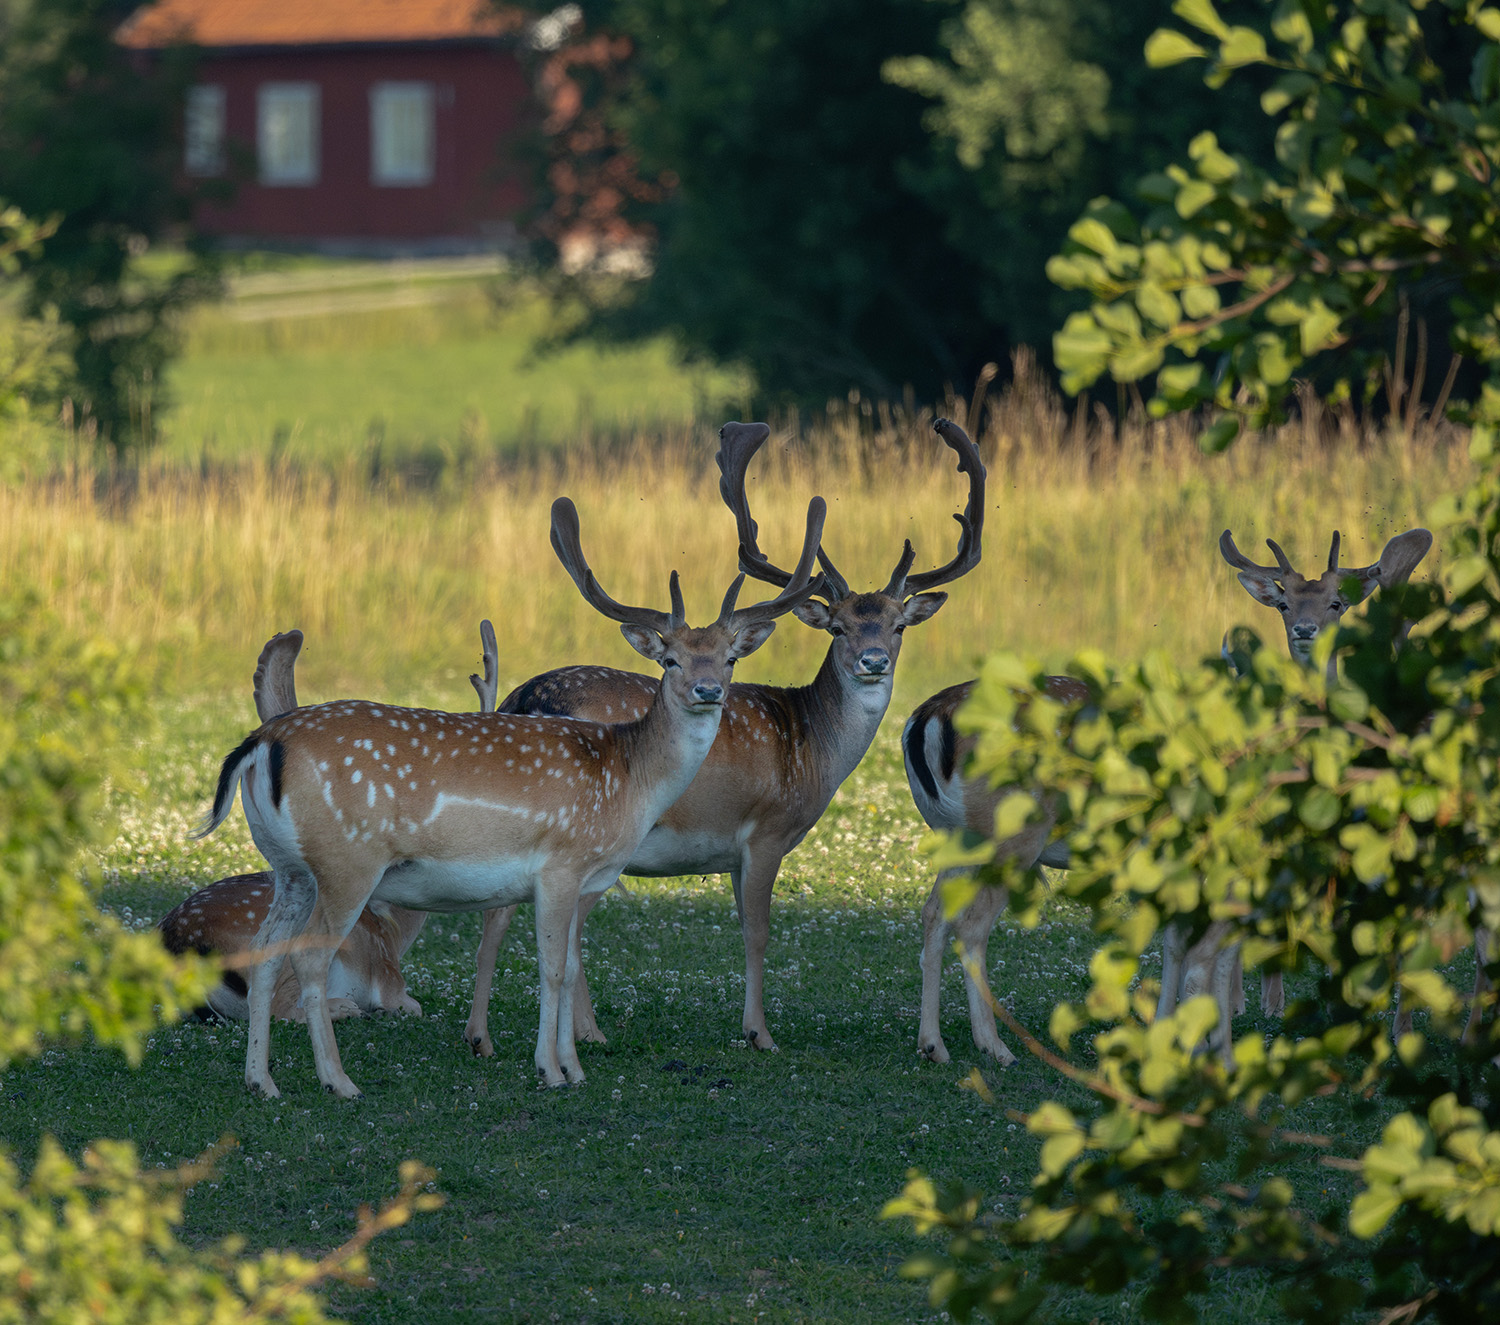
(689, 1177)
(320, 359)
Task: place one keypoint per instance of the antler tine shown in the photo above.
(1238, 559)
(1282, 562)
(487, 686)
(801, 584)
(835, 586)
(738, 443)
(726, 611)
(1333, 552)
(971, 522)
(565, 542)
(897, 587)
(679, 608)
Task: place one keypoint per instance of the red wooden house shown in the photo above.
(374, 125)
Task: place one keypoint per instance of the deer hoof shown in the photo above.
(936, 1052)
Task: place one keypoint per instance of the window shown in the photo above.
(401, 133)
(286, 132)
(203, 130)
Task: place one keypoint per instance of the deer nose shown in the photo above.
(708, 692)
(874, 662)
(1305, 630)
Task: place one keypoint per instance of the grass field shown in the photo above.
(426, 360)
(690, 1178)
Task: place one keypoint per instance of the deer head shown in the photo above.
(866, 627)
(1308, 606)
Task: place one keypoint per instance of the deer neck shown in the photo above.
(842, 716)
(663, 749)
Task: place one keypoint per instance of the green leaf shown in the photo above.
(1319, 809)
(1320, 328)
(1488, 22)
(1202, 15)
(1241, 47)
(1167, 46)
(1193, 197)
(1372, 1210)
(1219, 435)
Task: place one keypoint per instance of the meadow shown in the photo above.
(690, 1177)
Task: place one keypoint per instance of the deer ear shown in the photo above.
(644, 641)
(1401, 556)
(749, 638)
(813, 613)
(1262, 588)
(917, 609)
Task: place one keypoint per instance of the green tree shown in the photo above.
(1382, 195)
(90, 136)
(1039, 106)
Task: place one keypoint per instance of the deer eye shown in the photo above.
(835, 631)
(1339, 606)
(670, 662)
(1281, 606)
(901, 630)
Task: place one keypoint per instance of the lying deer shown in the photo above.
(1308, 607)
(357, 801)
(781, 752)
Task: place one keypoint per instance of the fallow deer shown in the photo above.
(781, 752)
(446, 812)
(1307, 607)
(935, 755)
(224, 918)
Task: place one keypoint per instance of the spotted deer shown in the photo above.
(1308, 607)
(224, 918)
(781, 752)
(354, 801)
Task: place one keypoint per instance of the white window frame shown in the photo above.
(203, 125)
(402, 155)
(288, 132)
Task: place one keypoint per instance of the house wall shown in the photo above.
(479, 184)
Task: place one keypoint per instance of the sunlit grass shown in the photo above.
(1092, 538)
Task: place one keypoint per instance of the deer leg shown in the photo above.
(295, 892)
(584, 1023)
(477, 1030)
(1227, 971)
(1481, 985)
(975, 923)
(1272, 994)
(556, 904)
(752, 889)
(311, 957)
(934, 946)
(1173, 950)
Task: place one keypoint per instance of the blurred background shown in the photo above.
(309, 311)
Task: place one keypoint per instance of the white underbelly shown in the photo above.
(460, 885)
(666, 852)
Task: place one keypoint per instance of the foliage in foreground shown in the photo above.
(1382, 198)
(94, 1238)
(1349, 827)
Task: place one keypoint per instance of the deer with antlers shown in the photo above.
(1308, 607)
(781, 752)
(354, 801)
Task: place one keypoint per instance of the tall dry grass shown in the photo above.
(1095, 534)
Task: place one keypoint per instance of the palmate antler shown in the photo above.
(738, 443)
(799, 584)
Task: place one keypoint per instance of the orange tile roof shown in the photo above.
(308, 22)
